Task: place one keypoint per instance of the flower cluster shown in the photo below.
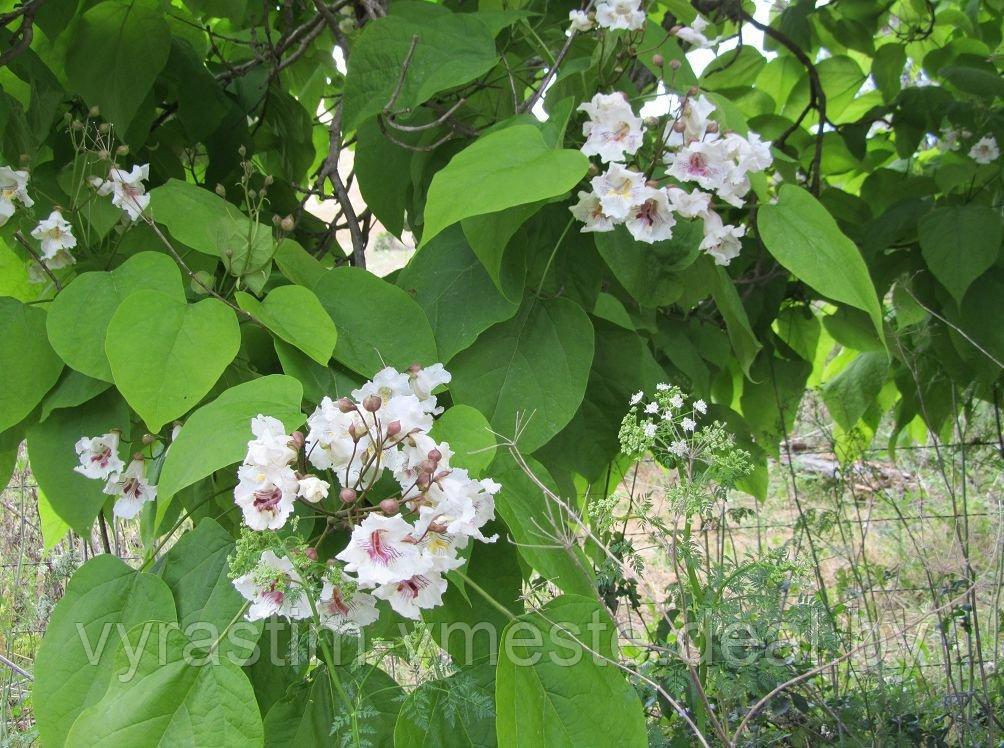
(691, 149)
(126, 188)
(13, 188)
(663, 420)
(400, 547)
(99, 459)
(609, 14)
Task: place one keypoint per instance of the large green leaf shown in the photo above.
(79, 315)
(737, 324)
(848, 395)
(449, 50)
(539, 525)
(216, 435)
(173, 697)
(72, 390)
(469, 436)
(378, 323)
(29, 365)
(76, 499)
(119, 47)
(533, 366)
(295, 315)
(649, 271)
(198, 573)
(207, 223)
(165, 355)
(805, 239)
(959, 244)
(508, 167)
(558, 684)
(104, 599)
(455, 291)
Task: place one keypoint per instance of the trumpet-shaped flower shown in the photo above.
(99, 457)
(132, 488)
(273, 587)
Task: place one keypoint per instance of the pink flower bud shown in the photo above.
(712, 127)
(658, 60)
(287, 223)
(427, 466)
(345, 405)
(435, 455)
(674, 64)
(393, 428)
(296, 440)
(390, 507)
(347, 495)
(372, 403)
(311, 554)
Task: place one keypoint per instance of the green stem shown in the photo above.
(481, 591)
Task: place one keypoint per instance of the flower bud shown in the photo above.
(148, 439)
(651, 122)
(242, 151)
(679, 126)
(77, 125)
(94, 111)
(347, 495)
(594, 170)
(122, 150)
(372, 403)
(423, 481)
(311, 554)
(674, 64)
(287, 223)
(357, 431)
(345, 405)
(693, 91)
(427, 466)
(296, 440)
(103, 154)
(435, 455)
(268, 180)
(252, 194)
(25, 159)
(104, 127)
(712, 127)
(652, 184)
(658, 60)
(390, 507)
(414, 369)
(676, 29)
(138, 457)
(220, 190)
(393, 428)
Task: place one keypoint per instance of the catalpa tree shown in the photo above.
(720, 205)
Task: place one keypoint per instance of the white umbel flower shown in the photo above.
(343, 610)
(651, 220)
(618, 190)
(589, 210)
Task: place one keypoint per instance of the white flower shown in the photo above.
(13, 186)
(620, 14)
(652, 407)
(703, 162)
(652, 219)
(99, 457)
(694, 34)
(329, 444)
(56, 235)
(985, 150)
(126, 188)
(589, 210)
(386, 384)
(424, 380)
(679, 448)
(413, 455)
(459, 505)
(676, 401)
(688, 424)
(650, 429)
(636, 398)
(441, 549)
(132, 488)
(273, 588)
(950, 137)
(612, 130)
(270, 449)
(750, 153)
(580, 20)
(265, 496)
(721, 241)
(662, 387)
(410, 596)
(701, 407)
(688, 204)
(692, 124)
(408, 411)
(344, 610)
(619, 189)
(313, 489)
(383, 550)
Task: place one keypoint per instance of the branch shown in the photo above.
(26, 30)
(34, 255)
(329, 170)
(817, 97)
(553, 71)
